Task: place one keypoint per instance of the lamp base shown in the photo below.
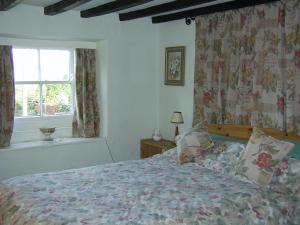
(176, 130)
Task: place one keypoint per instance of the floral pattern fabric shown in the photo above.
(155, 191)
(247, 68)
(7, 95)
(223, 157)
(287, 176)
(192, 145)
(86, 117)
(262, 156)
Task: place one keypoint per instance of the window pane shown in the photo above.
(26, 64)
(27, 100)
(55, 65)
(57, 99)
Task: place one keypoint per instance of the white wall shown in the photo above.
(17, 162)
(127, 64)
(133, 97)
(176, 98)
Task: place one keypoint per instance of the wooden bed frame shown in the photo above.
(244, 132)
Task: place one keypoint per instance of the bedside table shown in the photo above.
(149, 147)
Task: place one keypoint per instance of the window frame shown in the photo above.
(40, 82)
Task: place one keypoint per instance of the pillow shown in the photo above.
(295, 152)
(223, 157)
(217, 137)
(261, 157)
(192, 145)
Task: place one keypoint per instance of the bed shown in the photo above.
(154, 191)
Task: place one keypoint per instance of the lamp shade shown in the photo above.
(177, 117)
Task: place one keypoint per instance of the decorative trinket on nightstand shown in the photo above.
(156, 136)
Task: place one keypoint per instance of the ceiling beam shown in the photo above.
(153, 10)
(111, 7)
(237, 4)
(8, 4)
(62, 6)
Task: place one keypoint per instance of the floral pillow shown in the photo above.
(192, 145)
(261, 157)
(223, 157)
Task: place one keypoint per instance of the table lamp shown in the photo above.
(177, 119)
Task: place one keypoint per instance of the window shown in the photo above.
(43, 82)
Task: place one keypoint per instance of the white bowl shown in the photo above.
(47, 132)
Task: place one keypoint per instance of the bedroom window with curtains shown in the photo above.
(43, 82)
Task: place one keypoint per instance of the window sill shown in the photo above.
(41, 118)
(55, 142)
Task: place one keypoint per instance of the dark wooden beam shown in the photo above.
(8, 4)
(62, 6)
(165, 7)
(209, 9)
(111, 7)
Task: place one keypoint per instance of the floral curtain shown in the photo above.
(7, 95)
(86, 117)
(247, 68)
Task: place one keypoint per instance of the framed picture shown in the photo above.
(175, 66)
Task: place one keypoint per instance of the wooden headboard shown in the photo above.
(244, 132)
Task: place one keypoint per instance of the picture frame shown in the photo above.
(175, 66)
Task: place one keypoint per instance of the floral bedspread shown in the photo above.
(155, 191)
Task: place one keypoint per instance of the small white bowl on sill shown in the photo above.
(47, 132)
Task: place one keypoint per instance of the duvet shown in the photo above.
(155, 191)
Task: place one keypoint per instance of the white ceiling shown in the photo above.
(88, 5)
(95, 3)
(39, 3)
